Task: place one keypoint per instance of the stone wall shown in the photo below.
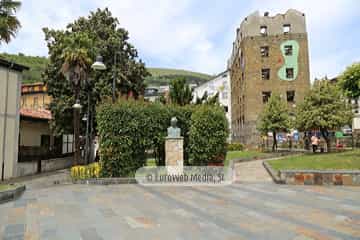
(247, 85)
(30, 168)
(312, 177)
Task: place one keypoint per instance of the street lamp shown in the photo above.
(77, 105)
(98, 64)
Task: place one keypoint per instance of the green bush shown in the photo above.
(128, 128)
(208, 133)
(235, 147)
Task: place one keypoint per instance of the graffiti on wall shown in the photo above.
(290, 52)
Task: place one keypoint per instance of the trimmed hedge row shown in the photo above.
(127, 129)
(208, 134)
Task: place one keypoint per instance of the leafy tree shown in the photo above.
(205, 99)
(323, 108)
(350, 81)
(202, 99)
(78, 45)
(213, 100)
(274, 118)
(180, 93)
(9, 24)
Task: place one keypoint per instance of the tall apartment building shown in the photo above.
(270, 55)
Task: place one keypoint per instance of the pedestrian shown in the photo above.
(314, 143)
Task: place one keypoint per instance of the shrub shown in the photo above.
(208, 133)
(84, 172)
(235, 147)
(127, 129)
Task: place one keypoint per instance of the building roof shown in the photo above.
(35, 114)
(12, 65)
(38, 87)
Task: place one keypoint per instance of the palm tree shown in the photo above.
(9, 24)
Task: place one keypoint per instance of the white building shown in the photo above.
(219, 84)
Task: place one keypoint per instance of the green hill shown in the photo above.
(162, 76)
(36, 65)
(159, 76)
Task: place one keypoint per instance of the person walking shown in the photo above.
(314, 143)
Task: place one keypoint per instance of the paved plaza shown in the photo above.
(129, 211)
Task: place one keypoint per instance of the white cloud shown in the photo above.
(195, 35)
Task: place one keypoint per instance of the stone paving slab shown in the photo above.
(252, 171)
(129, 211)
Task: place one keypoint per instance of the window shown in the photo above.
(45, 141)
(266, 96)
(289, 73)
(226, 109)
(263, 30)
(286, 28)
(290, 96)
(68, 141)
(288, 50)
(265, 73)
(264, 51)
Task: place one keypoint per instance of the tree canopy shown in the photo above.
(274, 118)
(79, 44)
(9, 24)
(324, 108)
(350, 81)
(180, 92)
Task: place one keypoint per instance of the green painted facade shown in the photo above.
(289, 61)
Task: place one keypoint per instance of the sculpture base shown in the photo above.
(174, 155)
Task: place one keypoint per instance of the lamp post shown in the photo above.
(114, 77)
(77, 106)
(98, 65)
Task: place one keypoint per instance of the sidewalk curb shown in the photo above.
(273, 173)
(12, 194)
(105, 181)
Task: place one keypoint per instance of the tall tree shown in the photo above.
(274, 118)
(9, 24)
(324, 108)
(180, 92)
(350, 81)
(78, 45)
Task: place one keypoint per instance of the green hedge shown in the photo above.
(235, 147)
(128, 128)
(208, 133)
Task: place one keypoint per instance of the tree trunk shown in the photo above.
(274, 147)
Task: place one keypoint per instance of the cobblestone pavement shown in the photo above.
(238, 211)
(252, 171)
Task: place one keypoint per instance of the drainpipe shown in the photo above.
(5, 122)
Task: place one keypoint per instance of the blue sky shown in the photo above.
(197, 34)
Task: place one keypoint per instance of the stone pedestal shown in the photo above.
(174, 155)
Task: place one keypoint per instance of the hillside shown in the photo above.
(159, 76)
(162, 76)
(36, 64)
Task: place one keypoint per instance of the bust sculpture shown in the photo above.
(173, 131)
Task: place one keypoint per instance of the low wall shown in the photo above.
(30, 168)
(314, 177)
